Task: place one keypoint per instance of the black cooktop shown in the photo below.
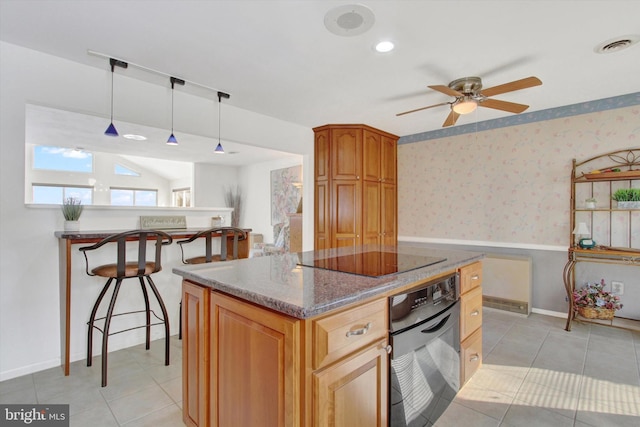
(371, 264)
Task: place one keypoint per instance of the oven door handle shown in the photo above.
(436, 327)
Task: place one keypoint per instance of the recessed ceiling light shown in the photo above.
(385, 46)
(135, 137)
(617, 44)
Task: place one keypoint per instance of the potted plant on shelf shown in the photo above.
(627, 198)
(593, 302)
(590, 203)
(71, 210)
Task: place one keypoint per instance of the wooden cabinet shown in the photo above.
(355, 186)
(470, 320)
(353, 392)
(255, 365)
(244, 365)
(295, 232)
(614, 230)
(350, 366)
(195, 355)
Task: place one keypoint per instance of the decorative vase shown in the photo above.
(72, 226)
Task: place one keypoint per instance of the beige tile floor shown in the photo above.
(534, 374)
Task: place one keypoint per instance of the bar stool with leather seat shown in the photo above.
(225, 233)
(121, 270)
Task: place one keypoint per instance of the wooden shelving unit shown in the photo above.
(616, 231)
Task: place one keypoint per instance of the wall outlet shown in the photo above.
(617, 288)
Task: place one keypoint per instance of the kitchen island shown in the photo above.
(269, 342)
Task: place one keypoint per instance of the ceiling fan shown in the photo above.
(469, 95)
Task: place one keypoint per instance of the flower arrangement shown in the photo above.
(592, 301)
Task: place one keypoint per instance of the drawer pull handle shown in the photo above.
(388, 349)
(474, 313)
(474, 358)
(360, 331)
(475, 277)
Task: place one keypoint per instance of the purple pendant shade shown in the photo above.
(219, 149)
(111, 130)
(172, 140)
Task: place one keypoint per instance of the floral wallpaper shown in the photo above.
(508, 185)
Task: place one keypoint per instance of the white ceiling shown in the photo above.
(278, 59)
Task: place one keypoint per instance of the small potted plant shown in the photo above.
(71, 210)
(593, 302)
(590, 203)
(627, 198)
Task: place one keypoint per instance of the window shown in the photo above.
(62, 159)
(55, 194)
(181, 197)
(121, 170)
(133, 197)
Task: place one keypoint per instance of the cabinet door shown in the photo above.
(352, 392)
(255, 368)
(346, 153)
(470, 312)
(371, 211)
(470, 356)
(388, 160)
(388, 214)
(322, 216)
(470, 277)
(195, 355)
(346, 218)
(371, 168)
(321, 158)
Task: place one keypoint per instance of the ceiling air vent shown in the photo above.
(617, 44)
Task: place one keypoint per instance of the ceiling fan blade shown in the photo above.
(423, 108)
(451, 119)
(446, 90)
(511, 86)
(496, 104)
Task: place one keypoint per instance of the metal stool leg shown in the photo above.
(180, 320)
(105, 333)
(148, 314)
(92, 320)
(165, 316)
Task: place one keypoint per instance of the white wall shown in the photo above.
(29, 295)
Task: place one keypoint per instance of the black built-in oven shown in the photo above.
(425, 360)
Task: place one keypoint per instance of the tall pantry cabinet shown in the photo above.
(355, 186)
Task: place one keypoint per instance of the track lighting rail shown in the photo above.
(124, 64)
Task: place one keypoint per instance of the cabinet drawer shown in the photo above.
(339, 334)
(471, 355)
(470, 277)
(470, 312)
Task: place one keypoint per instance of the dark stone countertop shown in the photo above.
(279, 283)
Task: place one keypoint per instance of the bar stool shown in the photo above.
(225, 233)
(141, 269)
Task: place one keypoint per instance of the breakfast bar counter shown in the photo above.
(270, 342)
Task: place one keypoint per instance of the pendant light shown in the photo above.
(111, 130)
(219, 149)
(172, 139)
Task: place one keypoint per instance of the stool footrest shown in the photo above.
(161, 321)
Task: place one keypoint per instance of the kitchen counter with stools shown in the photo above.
(69, 238)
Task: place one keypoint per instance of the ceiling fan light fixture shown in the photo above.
(465, 106)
